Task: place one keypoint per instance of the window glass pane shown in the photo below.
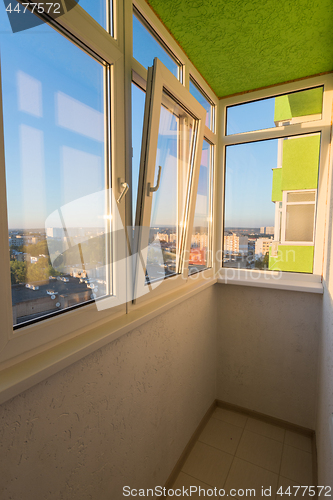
(53, 109)
(249, 211)
(258, 221)
(200, 241)
(305, 105)
(194, 90)
(146, 48)
(299, 222)
(138, 110)
(98, 10)
(299, 197)
(174, 148)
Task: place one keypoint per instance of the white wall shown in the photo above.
(121, 416)
(324, 427)
(267, 351)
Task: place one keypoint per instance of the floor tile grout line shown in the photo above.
(240, 458)
(201, 481)
(234, 455)
(300, 449)
(283, 448)
(227, 422)
(259, 466)
(214, 447)
(226, 479)
(248, 461)
(262, 435)
(254, 432)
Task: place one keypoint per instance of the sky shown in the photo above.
(250, 116)
(249, 184)
(53, 108)
(54, 131)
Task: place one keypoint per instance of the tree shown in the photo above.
(262, 263)
(38, 271)
(18, 271)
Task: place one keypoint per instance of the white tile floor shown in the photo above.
(238, 452)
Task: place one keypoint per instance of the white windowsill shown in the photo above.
(270, 279)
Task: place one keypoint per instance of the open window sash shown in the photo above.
(169, 173)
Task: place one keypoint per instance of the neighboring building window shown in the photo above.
(296, 107)
(204, 101)
(299, 216)
(147, 45)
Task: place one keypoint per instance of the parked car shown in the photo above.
(32, 287)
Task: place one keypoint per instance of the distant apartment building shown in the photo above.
(16, 241)
(235, 244)
(54, 232)
(162, 237)
(267, 230)
(199, 240)
(23, 239)
(262, 246)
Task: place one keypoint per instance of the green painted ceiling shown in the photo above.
(240, 45)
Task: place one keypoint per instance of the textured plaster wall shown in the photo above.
(267, 351)
(120, 416)
(324, 428)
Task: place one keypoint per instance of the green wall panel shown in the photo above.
(298, 259)
(239, 45)
(300, 163)
(276, 185)
(308, 102)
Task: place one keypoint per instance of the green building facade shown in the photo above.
(295, 183)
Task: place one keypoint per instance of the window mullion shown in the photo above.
(6, 299)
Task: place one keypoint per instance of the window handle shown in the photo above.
(125, 187)
(155, 188)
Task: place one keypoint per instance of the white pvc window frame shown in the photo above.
(145, 23)
(322, 126)
(212, 126)
(160, 80)
(30, 339)
(55, 343)
(138, 75)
